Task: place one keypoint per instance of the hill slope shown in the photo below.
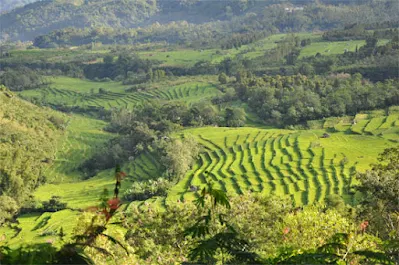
(7, 5)
(44, 16)
(28, 142)
(242, 15)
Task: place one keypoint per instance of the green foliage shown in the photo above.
(143, 190)
(53, 205)
(9, 208)
(22, 78)
(225, 241)
(297, 99)
(180, 155)
(234, 26)
(223, 78)
(380, 188)
(27, 146)
(307, 229)
(77, 13)
(235, 117)
(341, 248)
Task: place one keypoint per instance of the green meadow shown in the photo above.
(333, 48)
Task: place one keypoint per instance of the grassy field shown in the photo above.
(180, 57)
(55, 55)
(332, 48)
(188, 57)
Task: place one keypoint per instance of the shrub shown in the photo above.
(143, 190)
(8, 208)
(54, 205)
(58, 122)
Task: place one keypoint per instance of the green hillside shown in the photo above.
(60, 14)
(29, 136)
(160, 132)
(8, 5)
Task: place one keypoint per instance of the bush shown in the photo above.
(143, 190)
(58, 122)
(54, 205)
(223, 78)
(8, 208)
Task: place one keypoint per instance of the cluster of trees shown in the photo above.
(375, 62)
(147, 127)
(124, 67)
(177, 156)
(295, 99)
(22, 78)
(127, 67)
(28, 143)
(356, 31)
(237, 40)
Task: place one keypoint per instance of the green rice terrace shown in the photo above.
(300, 164)
(82, 93)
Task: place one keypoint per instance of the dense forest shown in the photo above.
(199, 132)
(109, 22)
(8, 5)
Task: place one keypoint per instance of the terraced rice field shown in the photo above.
(41, 228)
(83, 93)
(384, 126)
(188, 92)
(374, 123)
(301, 165)
(80, 140)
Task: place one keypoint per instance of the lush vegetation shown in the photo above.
(8, 5)
(199, 132)
(195, 18)
(28, 143)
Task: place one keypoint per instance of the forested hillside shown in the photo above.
(8, 5)
(100, 17)
(28, 144)
(44, 16)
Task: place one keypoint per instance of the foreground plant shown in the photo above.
(217, 239)
(76, 251)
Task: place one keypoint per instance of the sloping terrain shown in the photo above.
(8, 5)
